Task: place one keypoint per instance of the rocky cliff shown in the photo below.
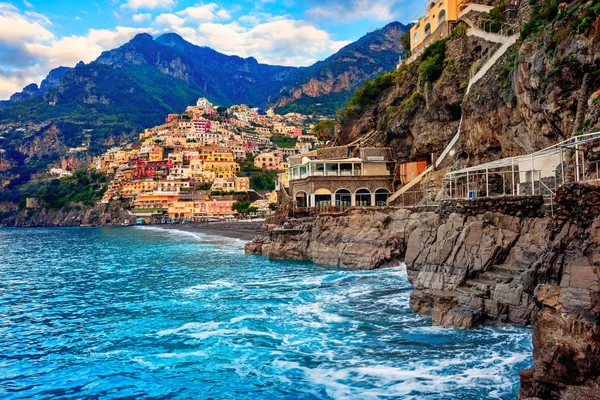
(543, 89)
(329, 84)
(487, 261)
(73, 214)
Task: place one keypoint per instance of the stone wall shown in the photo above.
(332, 153)
(519, 206)
(441, 32)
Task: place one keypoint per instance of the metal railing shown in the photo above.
(498, 27)
(424, 197)
(553, 193)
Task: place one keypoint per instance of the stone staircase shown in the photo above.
(506, 42)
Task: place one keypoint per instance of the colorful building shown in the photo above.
(435, 22)
(267, 161)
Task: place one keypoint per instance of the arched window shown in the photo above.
(363, 198)
(427, 29)
(301, 199)
(322, 197)
(343, 197)
(416, 37)
(441, 17)
(381, 196)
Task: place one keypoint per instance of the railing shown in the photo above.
(326, 173)
(553, 193)
(499, 27)
(417, 198)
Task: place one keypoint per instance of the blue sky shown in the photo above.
(37, 36)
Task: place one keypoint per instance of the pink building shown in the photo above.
(201, 126)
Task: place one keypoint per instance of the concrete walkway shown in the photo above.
(507, 42)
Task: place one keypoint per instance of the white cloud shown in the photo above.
(223, 14)
(199, 13)
(354, 10)
(282, 42)
(149, 4)
(22, 28)
(29, 50)
(69, 50)
(141, 18)
(171, 21)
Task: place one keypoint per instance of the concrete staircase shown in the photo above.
(506, 42)
(409, 185)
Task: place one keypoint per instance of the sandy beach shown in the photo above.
(245, 230)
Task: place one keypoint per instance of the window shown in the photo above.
(342, 197)
(381, 196)
(363, 198)
(416, 37)
(441, 17)
(427, 29)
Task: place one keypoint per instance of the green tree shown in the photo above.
(325, 130)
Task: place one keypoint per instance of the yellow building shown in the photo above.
(134, 188)
(156, 154)
(222, 169)
(435, 22)
(216, 157)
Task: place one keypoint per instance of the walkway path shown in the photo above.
(507, 42)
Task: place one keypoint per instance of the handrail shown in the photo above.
(551, 198)
(504, 30)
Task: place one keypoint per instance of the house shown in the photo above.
(234, 184)
(203, 103)
(435, 22)
(267, 161)
(341, 176)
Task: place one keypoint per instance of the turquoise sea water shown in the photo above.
(150, 313)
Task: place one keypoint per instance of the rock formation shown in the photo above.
(485, 261)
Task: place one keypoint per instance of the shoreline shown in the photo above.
(234, 230)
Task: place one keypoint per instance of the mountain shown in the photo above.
(139, 82)
(329, 84)
(52, 80)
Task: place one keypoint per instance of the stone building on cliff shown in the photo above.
(336, 177)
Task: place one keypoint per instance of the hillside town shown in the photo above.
(190, 168)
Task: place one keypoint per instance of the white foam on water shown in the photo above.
(316, 310)
(248, 316)
(188, 327)
(222, 241)
(207, 286)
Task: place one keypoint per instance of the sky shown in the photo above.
(36, 36)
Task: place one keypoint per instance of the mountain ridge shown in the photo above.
(229, 79)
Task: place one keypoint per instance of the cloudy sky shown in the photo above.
(38, 35)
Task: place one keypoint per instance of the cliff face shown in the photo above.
(485, 261)
(537, 93)
(339, 74)
(72, 215)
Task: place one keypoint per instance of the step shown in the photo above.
(471, 291)
(481, 284)
(498, 276)
(510, 269)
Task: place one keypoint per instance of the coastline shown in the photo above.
(234, 230)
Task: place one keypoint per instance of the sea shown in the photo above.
(144, 312)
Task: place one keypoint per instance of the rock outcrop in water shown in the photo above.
(486, 261)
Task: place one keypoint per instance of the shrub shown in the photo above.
(432, 64)
(412, 102)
